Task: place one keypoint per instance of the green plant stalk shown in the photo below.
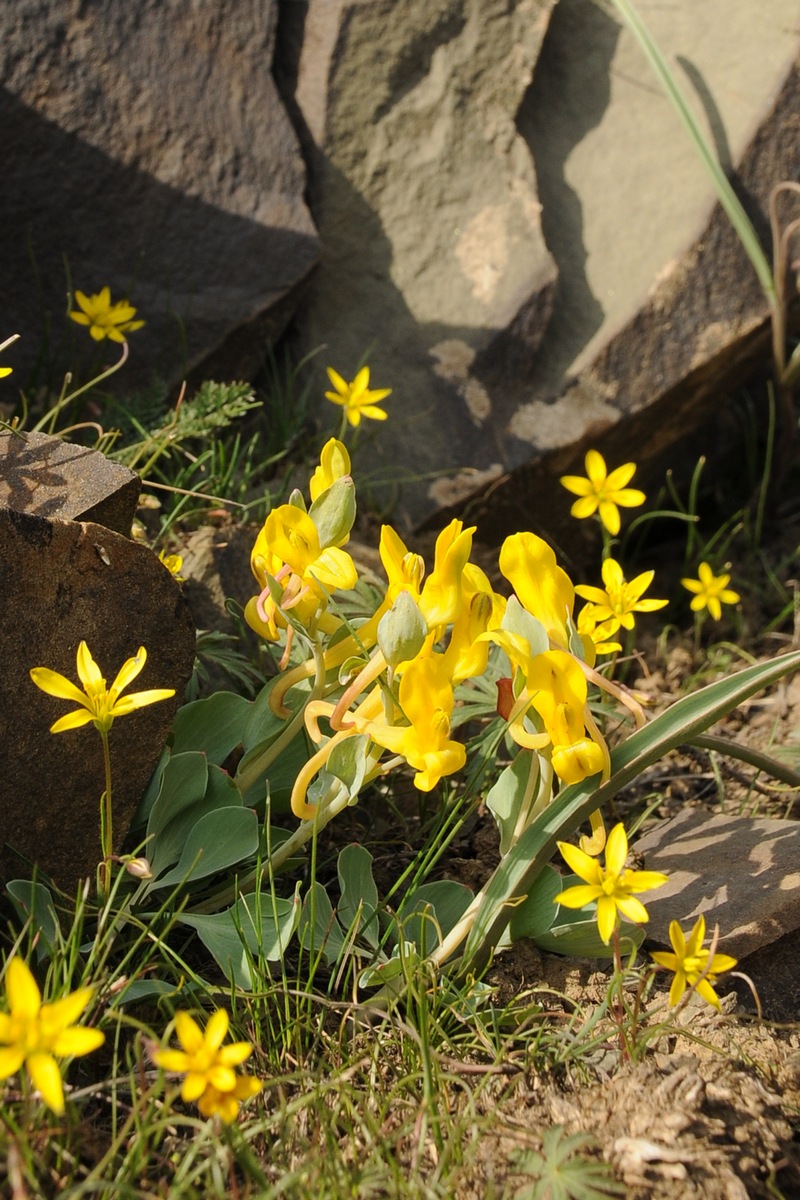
(747, 754)
(730, 202)
(106, 821)
(50, 417)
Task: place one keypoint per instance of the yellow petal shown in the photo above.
(609, 515)
(88, 671)
(194, 1085)
(57, 685)
(216, 1029)
(74, 1042)
(581, 863)
(129, 670)
(72, 720)
(596, 468)
(579, 896)
(632, 909)
(222, 1078)
(130, 703)
(24, 997)
(619, 477)
(11, 1059)
(64, 1012)
(235, 1054)
(46, 1078)
(190, 1035)
(172, 1060)
(606, 918)
(616, 850)
(338, 383)
(677, 989)
(576, 484)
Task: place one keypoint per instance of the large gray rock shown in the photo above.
(433, 261)
(658, 310)
(62, 582)
(740, 873)
(145, 147)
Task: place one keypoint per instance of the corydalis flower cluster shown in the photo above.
(432, 631)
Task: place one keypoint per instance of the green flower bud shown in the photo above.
(402, 631)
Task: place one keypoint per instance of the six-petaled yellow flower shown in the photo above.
(173, 563)
(621, 599)
(210, 1079)
(35, 1034)
(710, 591)
(611, 886)
(602, 492)
(690, 963)
(104, 319)
(356, 397)
(98, 703)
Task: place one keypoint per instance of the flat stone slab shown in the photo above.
(62, 582)
(51, 478)
(740, 873)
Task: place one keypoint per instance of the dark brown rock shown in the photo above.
(147, 148)
(48, 477)
(62, 582)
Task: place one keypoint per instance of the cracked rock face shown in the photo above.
(433, 264)
(147, 149)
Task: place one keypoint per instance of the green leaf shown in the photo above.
(142, 814)
(690, 715)
(512, 790)
(347, 762)
(33, 902)
(538, 911)
(579, 937)
(358, 902)
(433, 909)
(562, 1172)
(319, 929)
(183, 783)
(253, 928)
(220, 840)
(215, 726)
(167, 846)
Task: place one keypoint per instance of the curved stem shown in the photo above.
(50, 416)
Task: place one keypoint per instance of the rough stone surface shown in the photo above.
(62, 582)
(433, 262)
(52, 478)
(741, 873)
(658, 310)
(146, 147)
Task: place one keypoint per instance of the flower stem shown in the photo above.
(106, 821)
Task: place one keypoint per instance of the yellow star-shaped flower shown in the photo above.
(710, 591)
(35, 1034)
(621, 599)
(210, 1079)
(104, 319)
(690, 963)
(602, 492)
(611, 886)
(356, 397)
(98, 703)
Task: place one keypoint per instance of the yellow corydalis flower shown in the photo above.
(541, 586)
(287, 550)
(33, 1034)
(98, 703)
(602, 492)
(690, 963)
(710, 591)
(334, 463)
(210, 1079)
(104, 319)
(426, 700)
(611, 886)
(621, 599)
(356, 397)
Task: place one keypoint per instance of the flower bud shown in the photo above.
(139, 868)
(402, 631)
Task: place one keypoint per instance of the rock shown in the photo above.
(433, 263)
(147, 148)
(741, 873)
(62, 582)
(52, 478)
(658, 309)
